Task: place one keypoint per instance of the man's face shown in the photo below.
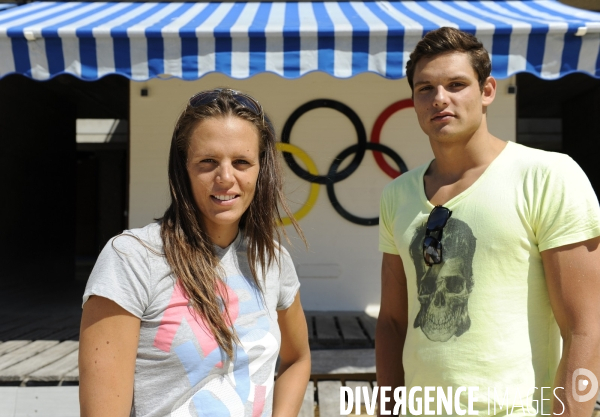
(448, 101)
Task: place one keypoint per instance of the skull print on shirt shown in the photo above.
(444, 289)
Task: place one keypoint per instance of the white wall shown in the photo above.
(335, 243)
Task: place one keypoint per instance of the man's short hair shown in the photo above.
(448, 39)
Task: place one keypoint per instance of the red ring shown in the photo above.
(376, 132)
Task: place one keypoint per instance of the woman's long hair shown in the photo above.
(187, 247)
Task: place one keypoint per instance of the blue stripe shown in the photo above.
(54, 54)
(326, 38)
(121, 43)
(360, 39)
(500, 41)
(570, 55)
(87, 56)
(536, 42)
(223, 43)
(395, 42)
(21, 56)
(189, 42)
(17, 31)
(291, 41)
(464, 25)
(156, 44)
(23, 11)
(428, 25)
(258, 40)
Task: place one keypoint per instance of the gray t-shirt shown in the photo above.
(180, 370)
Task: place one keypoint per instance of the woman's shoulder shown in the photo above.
(144, 239)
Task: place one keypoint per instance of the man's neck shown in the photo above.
(458, 164)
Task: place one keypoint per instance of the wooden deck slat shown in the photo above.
(20, 371)
(57, 370)
(360, 384)
(352, 333)
(369, 324)
(329, 398)
(343, 361)
(327, 332)
(12, 345)
(308, 403)
(25, 352)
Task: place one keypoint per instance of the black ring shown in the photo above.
(360, 148)
(373, 221)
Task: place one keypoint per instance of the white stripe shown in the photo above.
(413, 30)
(104, 42)
(70, 30)
(206, 39)
(29, 17)
(37, 28)
(105, 56)
(70, 43)
(38, 59)
(240, 42)
(274, 35)
(70, 47)
(309, 44)
(426, 14)
(29, 11)
(105, 28)
(555, 42)
(7, 63)
(342, 55)
(139, 44)
(378, 31)
(519, 37)
(172, 40)
(588, 55)
(593, 18)
(484, 31)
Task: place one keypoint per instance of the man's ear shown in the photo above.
(489, 91)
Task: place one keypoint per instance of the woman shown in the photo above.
(184, 317)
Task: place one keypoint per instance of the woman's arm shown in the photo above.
(294, 367)
(108, 345)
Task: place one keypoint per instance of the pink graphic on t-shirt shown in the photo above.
(260, 392)
(178, 309)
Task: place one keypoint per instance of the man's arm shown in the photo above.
(573, 279)
(392, 323)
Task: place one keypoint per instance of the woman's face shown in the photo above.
(223, 165)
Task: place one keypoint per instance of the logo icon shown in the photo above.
(582, 384)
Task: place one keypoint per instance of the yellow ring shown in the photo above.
(314, 187)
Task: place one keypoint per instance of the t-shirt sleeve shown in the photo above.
(569, 210)
(122, 274)
(288, 281)
(386, 216)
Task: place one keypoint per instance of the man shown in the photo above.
(491, 253)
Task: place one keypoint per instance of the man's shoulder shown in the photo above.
(530, 159)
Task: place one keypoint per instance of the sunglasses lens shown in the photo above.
(248, 103)
(432, 251)
(203, 98)
(438, 218)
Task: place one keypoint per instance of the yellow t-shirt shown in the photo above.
(482, 318)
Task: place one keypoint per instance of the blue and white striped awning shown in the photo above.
(189, 40)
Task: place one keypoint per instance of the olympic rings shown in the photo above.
(314, 188)
(311, 173)
(335, 165)
(376, 133)
(360, 133)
